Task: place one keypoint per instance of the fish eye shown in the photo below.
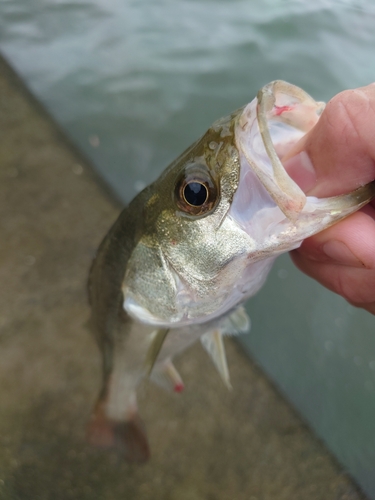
(196, 192)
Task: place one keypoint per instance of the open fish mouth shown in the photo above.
(268, 203)
(270, 125)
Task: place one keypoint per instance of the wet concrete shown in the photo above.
(207, 443)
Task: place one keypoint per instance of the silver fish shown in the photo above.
(193, 246)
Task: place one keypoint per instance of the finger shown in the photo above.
(337, 155)
(342, 258)
(342, 280)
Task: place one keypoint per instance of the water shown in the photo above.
(134, 83)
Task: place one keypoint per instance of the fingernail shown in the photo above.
(301, 170)
(339, 253)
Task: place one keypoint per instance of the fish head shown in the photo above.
(188, 247)
(210, 227)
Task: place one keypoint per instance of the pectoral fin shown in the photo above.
(214, 345)
(239, 322)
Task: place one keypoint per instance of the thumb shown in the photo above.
(336, 157)
(338, 154)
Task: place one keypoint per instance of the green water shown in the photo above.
(134, 83)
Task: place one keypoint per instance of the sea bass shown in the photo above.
(193, 246)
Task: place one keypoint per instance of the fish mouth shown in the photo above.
(269, 204)
(267, 129)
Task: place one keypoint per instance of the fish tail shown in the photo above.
(128, 436)
(115, 422)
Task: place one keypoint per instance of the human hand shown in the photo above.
(336, 157)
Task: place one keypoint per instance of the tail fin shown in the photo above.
(128, 436)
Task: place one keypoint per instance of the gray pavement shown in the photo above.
(207, 443)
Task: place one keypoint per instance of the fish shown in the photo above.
(188, 251)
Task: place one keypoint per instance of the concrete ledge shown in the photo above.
(207, 443)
